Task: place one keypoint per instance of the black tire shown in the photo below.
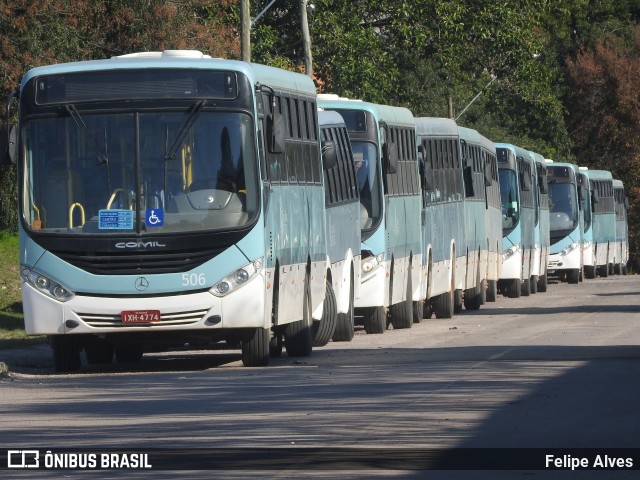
(624, 269)
(513, 288)
(473, 298)
(542, 283)
(443, 305)
(590, 271)
(402, 313)
(130, 353)
(418, 311)
(255, 348)
(492, 290)
(98, 351)
(573, 276)
(345, 322)
(427, 309)
(617, 269)
(275, 345)
(298, 336)
(323, 329)
(603, 270)
(457, 301)
(375, 320)
(66, 354)
(526, 287)
(533, 283)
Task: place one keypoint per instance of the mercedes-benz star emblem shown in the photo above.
(141, 284)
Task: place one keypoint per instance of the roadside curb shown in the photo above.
(4, 370)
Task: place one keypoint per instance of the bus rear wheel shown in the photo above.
(298, 336)
(589, 271)
(542, 283)
(402, 313)
(492, 290)
(513, 288)
(443, 305)
(375, 320)
(323, 329)
(344, 330)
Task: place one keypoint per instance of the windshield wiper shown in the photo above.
(77, 118)
(193, 116)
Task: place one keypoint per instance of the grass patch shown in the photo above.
(12, 333)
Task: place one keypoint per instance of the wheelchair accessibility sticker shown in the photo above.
(154, 217)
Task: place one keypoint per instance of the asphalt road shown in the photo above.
(555, 371)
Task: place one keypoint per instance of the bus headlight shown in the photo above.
(569, 249)
(372, 263)
(236, 279)
(511, 251)
(44, 284)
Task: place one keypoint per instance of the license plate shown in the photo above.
(140, 316)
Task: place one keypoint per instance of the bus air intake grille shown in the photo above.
(174, 319)
(139, 263)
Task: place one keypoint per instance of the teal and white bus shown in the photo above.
(342, 200)
(483, 219)
(443, 218)
(168, 198)
(586, 207)
(541, 234)
(621, 249)
(603, 220)
(383, 140)
(517, 185)
(566, 221)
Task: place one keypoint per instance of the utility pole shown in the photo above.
(245, 35)
(306, 39)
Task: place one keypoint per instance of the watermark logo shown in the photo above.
(23, 459)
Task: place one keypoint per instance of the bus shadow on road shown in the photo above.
(529, 310)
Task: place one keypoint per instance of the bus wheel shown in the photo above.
(617, 269)
(402, 313)
(323, 329)
(457, 301)
(98, 351)
(513, 288)
(542, 283)
(129, 353)
(275, 344)
(66, 354)
(255, 348)
(473, 298)
(375, 320)
(526, 287)
(573, 276)
(492, 290)
(603, 270)
(298, 336)
(624, 269)
(344, 323)
(427, 309)
(534, 284)
(443, 305)
(418, 311)
(589, 271)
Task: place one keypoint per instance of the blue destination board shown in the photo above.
(115, 219)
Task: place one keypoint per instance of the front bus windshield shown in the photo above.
(509, 200)
(563, 208)
(110, 173)
(365, 164)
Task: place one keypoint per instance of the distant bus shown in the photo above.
(587, 205)
(603, 219)
(383, 140)
(170, 198)
(443, 219)
(517, 193)
(483, 219)
(342, 200)
(541, 233)
(621, 250)
(565, 221)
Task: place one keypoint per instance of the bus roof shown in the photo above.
(181, 59)
(436, 126)
(329, 118)
(474, 137)
(518, 151)
(617, 183)
(397, 115)
(599, 175)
